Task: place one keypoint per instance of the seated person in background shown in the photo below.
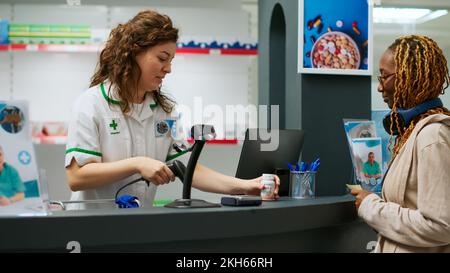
(11, 186)
(371, 168)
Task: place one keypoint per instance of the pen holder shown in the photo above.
(302, 185)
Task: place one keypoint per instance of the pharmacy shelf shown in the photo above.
(44, 139)
(97, 48)
(217, 51)
(50, 48)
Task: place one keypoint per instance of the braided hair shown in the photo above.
(421, 74)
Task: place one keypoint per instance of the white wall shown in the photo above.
(5, 11)
(195, 21)
(51, 82)
(385, 34)
(93, 15)
(5, 79)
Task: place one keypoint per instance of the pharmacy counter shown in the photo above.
(326, 224)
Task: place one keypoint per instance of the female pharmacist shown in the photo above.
(123, 126)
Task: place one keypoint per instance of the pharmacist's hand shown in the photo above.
(360, 195)
(155, 171)
(4, 201)
(254, 186)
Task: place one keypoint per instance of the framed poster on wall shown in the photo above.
(335, 37)
(18, 170)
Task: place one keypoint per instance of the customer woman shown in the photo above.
(413, 214)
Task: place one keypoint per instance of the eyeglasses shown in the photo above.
(382, 79)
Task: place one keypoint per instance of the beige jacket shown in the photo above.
(414, 213)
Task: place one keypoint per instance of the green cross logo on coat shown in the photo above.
(113, 125)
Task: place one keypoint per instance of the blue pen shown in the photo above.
(316, 161)
(316, 166)
(291, 167)
(305, 167)
(297, 167)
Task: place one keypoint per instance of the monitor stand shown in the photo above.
(191, 203)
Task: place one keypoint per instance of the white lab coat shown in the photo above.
(100, 132)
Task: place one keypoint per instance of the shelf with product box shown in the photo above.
(50, 132)
(81, 38)
(97, 48)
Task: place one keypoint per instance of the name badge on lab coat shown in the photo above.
(165, 127)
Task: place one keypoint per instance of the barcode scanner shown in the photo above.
(128, 201)
(178, 169)
(200, 133)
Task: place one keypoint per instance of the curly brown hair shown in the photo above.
(117, 62)
(421, 74)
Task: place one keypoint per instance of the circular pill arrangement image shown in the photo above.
(335, 50)
(12, 119)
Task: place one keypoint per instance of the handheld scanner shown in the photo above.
(178, 169)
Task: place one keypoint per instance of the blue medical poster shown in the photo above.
(18, 162)
(367, 163)
(335, 37)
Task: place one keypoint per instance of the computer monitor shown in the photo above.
(253, 162)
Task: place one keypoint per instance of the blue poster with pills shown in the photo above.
(335, 37)
(18, 169)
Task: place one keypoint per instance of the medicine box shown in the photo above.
(3, 31)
